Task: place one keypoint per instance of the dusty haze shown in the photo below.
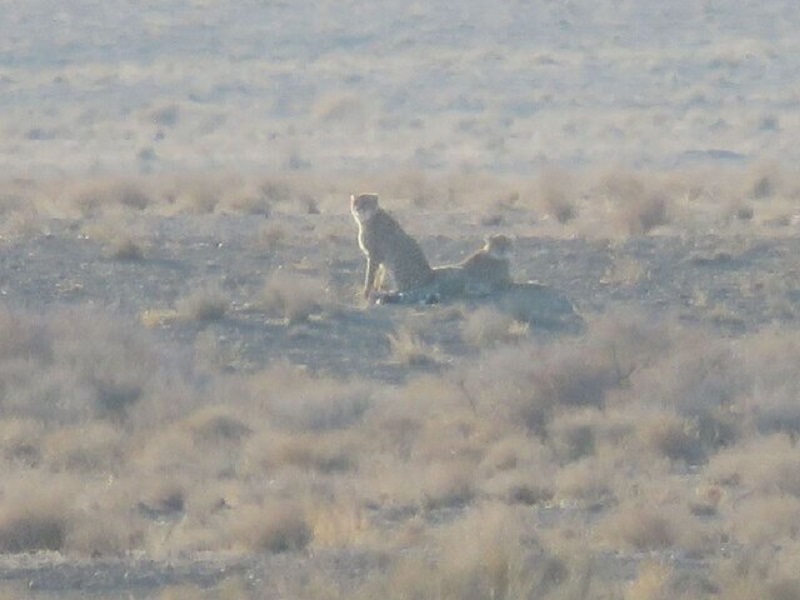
(196, 403)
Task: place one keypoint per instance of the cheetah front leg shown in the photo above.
(369, 282)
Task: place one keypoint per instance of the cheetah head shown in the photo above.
(363, 206)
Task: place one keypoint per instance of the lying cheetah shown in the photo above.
(386, 245)
(489, 269)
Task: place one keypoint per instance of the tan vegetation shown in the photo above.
(195, 403)
(612, 203)
(280, 460)
(209, 304)
(295, 297)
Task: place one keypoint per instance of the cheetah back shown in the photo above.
(386, 243)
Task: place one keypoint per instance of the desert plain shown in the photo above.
(195, 401)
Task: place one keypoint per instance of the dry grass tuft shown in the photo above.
(304, 403)
(92, 447)
(94, 199)
(118, 237)
(701, 380)
(484, 555)
(203, 305)
(764, 181)
(486, 327)
(760, 520)
(340, 524)
(20, 441)
(277, 189)
(250, 202)
(557, 195)
(114, 535)
(516, 451)
(198, 195)
(589, 481)
(409, 349)
(636, 208)
(32, 530)
(770, 398)
(295, 297)
(160, 499)
(626, 271)
(764, 464)
(216, 425)
(447, 485)
(126, 249)
(669, 435)
(24, 335)
(31, 521)
(651, 583)
(506, 386)
(518, 470)
(652, 525)
(274, 528)
(643, 528)
(271, 236)
(573, 435)
(311, 452)
(761, 573)
(581, 375)
(78, 366)
(534, 380)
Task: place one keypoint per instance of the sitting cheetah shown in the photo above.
(386, 245)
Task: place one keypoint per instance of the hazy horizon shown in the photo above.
(506, 87)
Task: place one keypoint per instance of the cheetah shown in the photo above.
(484, 273)
(386, 245)
(489, 269)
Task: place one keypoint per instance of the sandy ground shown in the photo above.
(709, 278)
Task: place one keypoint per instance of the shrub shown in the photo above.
(94, 198)
(215, 426)
(76, 366)
(204, 305)
(125, 248)
(409, 349)
(673, 437)
(294, 296)
(487, 327)
(637, 209)
(30, 520)
(274, 528)
(318, 404)
(556, 193)
(647, 525)
(93, 447)
(447, 485)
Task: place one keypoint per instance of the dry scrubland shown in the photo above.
(194, 403)
(193, 435)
